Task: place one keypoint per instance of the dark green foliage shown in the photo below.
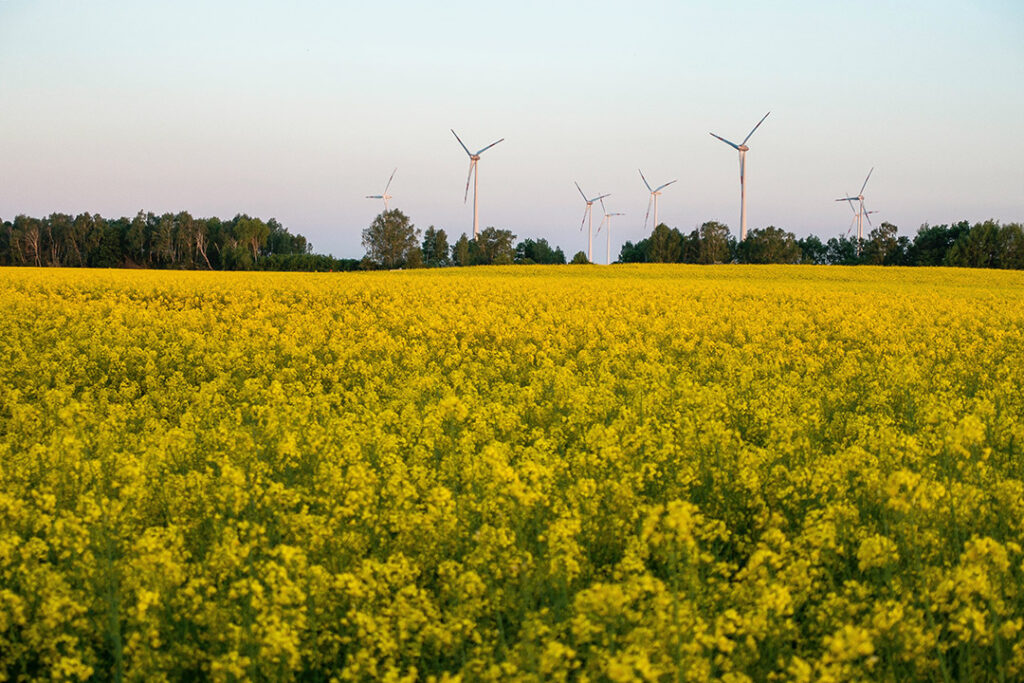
(812, 250)
(179, 240)
(461, 255)
(538, 251)
(881, 243)
(635, 253)
(666, 245)
(932, 243)
(435, 248)
(713, 243)
(979, 247)
(392, 241)
(494, 247)
(842, 251)
(579, 259)
(768, 245)
(146, 240)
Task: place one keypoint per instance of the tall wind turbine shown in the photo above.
(588, 213)
(743, 149)
(384, 196)
(860, 212)
(655, 193)
(608, 234)
(475, 175)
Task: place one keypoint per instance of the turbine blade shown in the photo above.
(755, 128)
(390, 179)
(488, 147)
(472, 167)
(867, 215)
(601, 197)
(581, 191)
(648, 214)
(662, 187)
(603, 210)
(731, 144)
(866, 180)
(584, 221)
(645, 181)
(374, 196)
(460, 141)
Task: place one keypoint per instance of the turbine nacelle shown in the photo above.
(385, 196)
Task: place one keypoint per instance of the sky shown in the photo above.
(298, 110)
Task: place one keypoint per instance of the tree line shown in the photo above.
(170, 240)
(179, 240)
(983, 245)
(392, 241)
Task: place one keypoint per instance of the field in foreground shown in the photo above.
(589, 473)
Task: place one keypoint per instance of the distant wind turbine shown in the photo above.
(608, 234)
(743, 149)
(860, 212)
(475, 175)
(853, 222)
(655, 193)
(587, 213)
(384, 196)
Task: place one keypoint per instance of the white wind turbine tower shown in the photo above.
(384, 196)
(860, 212)
(608, 234)
(588, 213)
(743, 149)
(655, 193)
(475, 175)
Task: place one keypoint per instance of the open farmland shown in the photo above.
(513, 473)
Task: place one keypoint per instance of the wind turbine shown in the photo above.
(853, 221)
(473, 173)
(743, 149)
(608, 235)
(860, 212)
(654, 198)
(384, 196)
(588, 213)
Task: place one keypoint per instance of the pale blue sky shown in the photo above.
(298, 110)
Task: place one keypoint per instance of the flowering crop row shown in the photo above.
(675, 472)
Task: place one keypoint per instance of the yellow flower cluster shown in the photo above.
(547, 473)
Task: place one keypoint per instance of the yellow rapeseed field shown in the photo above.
(528, 473)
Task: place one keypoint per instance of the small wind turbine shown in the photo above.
(743, 149)
(860, 212)
(384, 196)
(853, 221)
(587, 213)
(473, 173)
(608, 235)
(654, 198)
